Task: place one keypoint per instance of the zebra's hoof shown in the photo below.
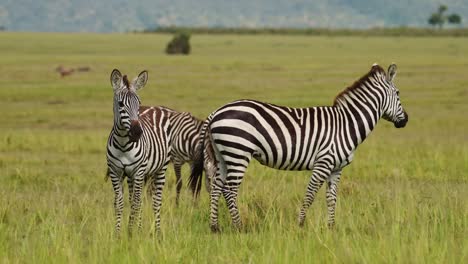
(214, 229)
(157, 236)
(238, 227)
(331, 226)
(301, 223)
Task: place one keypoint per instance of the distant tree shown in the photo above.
(442, 9)
(179, 44)
(439, 18)
(435, 19)
(454, 19)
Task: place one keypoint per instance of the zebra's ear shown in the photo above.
(116, 79)
(141, 80)
(391, 73)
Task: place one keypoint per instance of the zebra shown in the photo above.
(321, 139)
(138, 148)
(185, 135)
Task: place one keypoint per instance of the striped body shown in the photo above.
(321, 139)
(150, 154)
(185, 137)
(282, 137)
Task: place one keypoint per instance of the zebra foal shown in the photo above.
(320, 139)
(138, 148)
(185, 138)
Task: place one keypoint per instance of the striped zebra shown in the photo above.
(138, 148)
(185, 132)
(320, 139)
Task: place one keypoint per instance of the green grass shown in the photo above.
(402, 200)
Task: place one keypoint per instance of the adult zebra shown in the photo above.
(138, 148)
(185, 133)
(321, 139)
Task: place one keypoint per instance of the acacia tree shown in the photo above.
(454, 19)
(439, 18)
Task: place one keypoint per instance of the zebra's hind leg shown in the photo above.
(319, 175)
(157, 185)
(210, 171)
(177, 170)
(230, 194)
(117, 185)
(332, 188)
(217, 186)
(235, 174)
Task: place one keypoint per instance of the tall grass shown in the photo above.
(402, 200)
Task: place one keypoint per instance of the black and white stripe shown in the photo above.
(320, 139)
(185, 133)
(138, 148)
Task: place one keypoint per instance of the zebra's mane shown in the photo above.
(375, 70)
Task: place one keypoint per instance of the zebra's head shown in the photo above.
(392, 109)
(127, 103)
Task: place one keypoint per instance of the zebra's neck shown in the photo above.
(120, 135)
(360, 109)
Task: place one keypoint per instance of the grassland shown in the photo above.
(402, 200)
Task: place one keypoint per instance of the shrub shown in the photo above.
(179, 44)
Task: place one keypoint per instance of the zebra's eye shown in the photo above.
(121, 104)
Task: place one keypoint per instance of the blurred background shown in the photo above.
(123, 16)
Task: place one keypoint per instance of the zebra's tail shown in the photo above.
(106, 177)
(196, 174)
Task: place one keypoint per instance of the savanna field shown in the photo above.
(402, 200)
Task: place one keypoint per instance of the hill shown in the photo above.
(119, 16)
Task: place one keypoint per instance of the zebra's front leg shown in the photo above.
(130, 196)
(177, 170)
(117, 185)
(130, 189)
(157, 186)
(135, 210)
(332, 188)
(319, 175)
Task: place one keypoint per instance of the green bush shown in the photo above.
(179, 44)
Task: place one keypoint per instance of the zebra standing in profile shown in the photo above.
(321, 139)
(138, 148)
(185, 133)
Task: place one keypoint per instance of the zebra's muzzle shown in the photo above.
(135, 131)
(402, 123)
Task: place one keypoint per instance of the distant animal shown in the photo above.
(185, 133)
(64, 71)
(138, 148)
(320, 139)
